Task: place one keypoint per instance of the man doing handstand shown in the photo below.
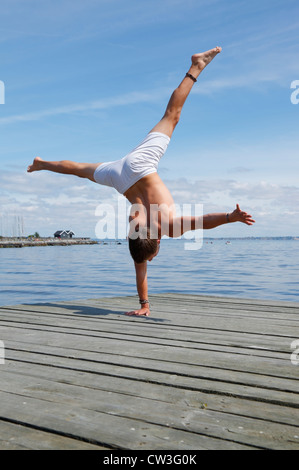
(135, 176)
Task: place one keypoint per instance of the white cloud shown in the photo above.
(106, 103)
(49, 202)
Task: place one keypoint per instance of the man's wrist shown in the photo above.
(144, 303)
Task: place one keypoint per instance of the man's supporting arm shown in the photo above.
(142, 289)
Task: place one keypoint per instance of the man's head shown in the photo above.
(144, 248)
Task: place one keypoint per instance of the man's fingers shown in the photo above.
(137, 313)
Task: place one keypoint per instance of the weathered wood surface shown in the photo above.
(200, 373)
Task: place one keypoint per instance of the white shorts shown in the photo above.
(142, 161)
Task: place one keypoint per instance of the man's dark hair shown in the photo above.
(142, 248)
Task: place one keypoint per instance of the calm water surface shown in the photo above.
(260, 269)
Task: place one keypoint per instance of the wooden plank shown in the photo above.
(158, 392)
(116, 306)
(224, 299)
(232, 305)
(85, 372)
(174, 332)
(17, 437)
(166, 376)
(126, 342)
(181, 311)
(181, 302)
(105, 429)
(243, 345)
(210, 365)
(199, 421)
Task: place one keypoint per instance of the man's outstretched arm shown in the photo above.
(142, 289)
(180, 225)
(214, 220)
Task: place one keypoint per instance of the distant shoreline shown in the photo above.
(12, 242)
(21, 242)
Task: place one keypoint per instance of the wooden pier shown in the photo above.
(200, 373)
(27, 242)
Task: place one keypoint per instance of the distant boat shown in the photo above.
(227, 243)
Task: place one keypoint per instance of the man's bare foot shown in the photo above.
(200, 61)
(36, 165)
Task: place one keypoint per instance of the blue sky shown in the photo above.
(86, 80)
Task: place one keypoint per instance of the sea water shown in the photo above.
(244, 268)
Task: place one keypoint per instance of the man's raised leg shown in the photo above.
(179, 96)
(66, 167)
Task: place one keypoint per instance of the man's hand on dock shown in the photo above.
(142, 312)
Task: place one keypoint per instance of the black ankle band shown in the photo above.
(191, 76)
